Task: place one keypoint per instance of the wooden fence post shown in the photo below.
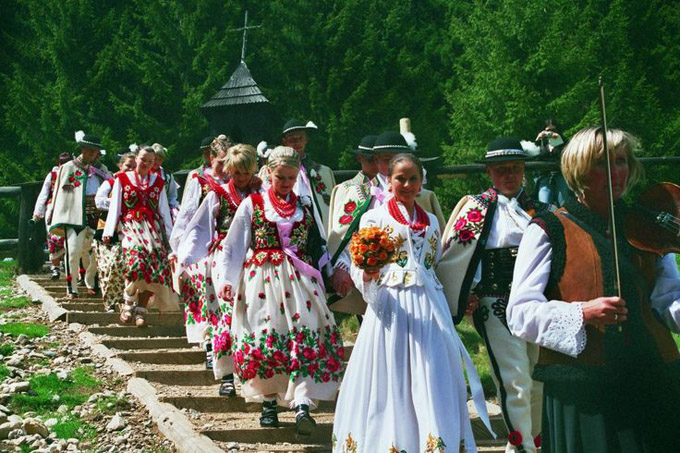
(31, 235)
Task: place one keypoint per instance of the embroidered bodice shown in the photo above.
(137, 202)
(265, 240)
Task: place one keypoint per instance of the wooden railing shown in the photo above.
(30, 243)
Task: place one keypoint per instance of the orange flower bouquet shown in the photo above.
(371, 248)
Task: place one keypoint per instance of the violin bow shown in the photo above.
(612, 222)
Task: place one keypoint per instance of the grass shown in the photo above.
(676, 337)
(71, 426)
(15, 302)
(117, 404)
(4, 372)
(7, 270)
(72, 392)
(6, 349)
(29, 329)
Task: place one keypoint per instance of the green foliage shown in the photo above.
(6, 349)
(29, 329)
(73, 427)
(117, 404)
(4, 372)
(15, 302)
(7, 270)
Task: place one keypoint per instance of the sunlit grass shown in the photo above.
(29, 329)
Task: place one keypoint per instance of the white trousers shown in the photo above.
(79, 246)
(512, 362)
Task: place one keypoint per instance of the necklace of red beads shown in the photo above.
(283, 208)
(420, 221)
(234, 193)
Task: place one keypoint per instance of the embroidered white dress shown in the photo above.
(110, 262)
(404, 387)
(284, 337)
(200, 251)
(144, 218)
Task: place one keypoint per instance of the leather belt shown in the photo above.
(497, 268)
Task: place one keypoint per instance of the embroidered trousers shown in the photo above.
(512, 362)
(79, 245)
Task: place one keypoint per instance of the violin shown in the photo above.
(653, 223)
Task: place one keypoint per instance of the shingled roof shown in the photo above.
(240, 89)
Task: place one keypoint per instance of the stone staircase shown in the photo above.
(176, 370)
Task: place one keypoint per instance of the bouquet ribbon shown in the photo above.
(291, 251)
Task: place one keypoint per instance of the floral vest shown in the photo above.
(265, 241)
(140, 204)
(227, 208)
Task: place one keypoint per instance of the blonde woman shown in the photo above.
(202, 247)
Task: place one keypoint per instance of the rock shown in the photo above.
(3, 418)
(59, 360)
(16, 434)
(94, 397)
(5, 410)
(62, 375)
(56, 398)
(35, 426)
(19, 387)
(50, 422)
(231, 445)
(72, 440)
(120, 440)
(62, 409)
(14, 360)
(116, 424)
(22, 339)
(15, 420)
(50, 353)
(5, 428)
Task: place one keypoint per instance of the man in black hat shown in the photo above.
(349, 201)
(389, 144)
(314, 180)
(73, 212)
(480, 246)
(206, 166)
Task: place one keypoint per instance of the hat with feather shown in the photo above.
(88, 140)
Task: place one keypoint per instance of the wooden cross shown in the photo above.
(245, 29)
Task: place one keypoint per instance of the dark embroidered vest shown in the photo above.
(265, 242)
(582, 270)
(137, 203)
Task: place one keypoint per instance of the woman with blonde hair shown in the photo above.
(285, 342)
(610, 368)
(202, 247)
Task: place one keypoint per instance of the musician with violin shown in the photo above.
(610, 367)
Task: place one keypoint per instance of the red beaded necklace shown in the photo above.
(420, 221)
(283, 208)
(233, 193)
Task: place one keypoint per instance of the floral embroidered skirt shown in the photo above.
(111, 272)
(55, 246)
(284, 337)
(206, 316)
(404, 388)
(146, 263)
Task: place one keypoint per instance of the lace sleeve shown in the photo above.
(566, 332)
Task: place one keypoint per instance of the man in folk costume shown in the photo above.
(314, 180)
(480, 245)
(206, 166)
(73, 212)
(349, 201)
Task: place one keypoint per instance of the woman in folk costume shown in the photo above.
(609, 365)
(139, 212)
(200, 249)
(404, 389)
(284, 338)
(171, 185)
(55, 244)
(197, 188)
(110, 264)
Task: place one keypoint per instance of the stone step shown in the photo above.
(179, 357)
(82, 305)
(248, 430)
(147, 343)
(184, 375)
(60, 293)
(216, 404)
(140, 332)
(167, 318)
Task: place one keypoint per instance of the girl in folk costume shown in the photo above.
(55, 244)
(404, 389)
(197, 188)
(284, 338)
(171, 185)
(110, 264)
(140, 206)
(201, 249)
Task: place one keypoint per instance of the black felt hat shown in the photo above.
(205, 143)
(296, 125)
(504, 149)
(365, 147)
(88, 140)
(391, 142)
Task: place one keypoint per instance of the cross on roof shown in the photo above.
(245, 29)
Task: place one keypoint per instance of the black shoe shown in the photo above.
(55, 273)
(269, 417)
(227, 386)
(208, 356)
(304, 423)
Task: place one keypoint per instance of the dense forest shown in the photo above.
(463, 71)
